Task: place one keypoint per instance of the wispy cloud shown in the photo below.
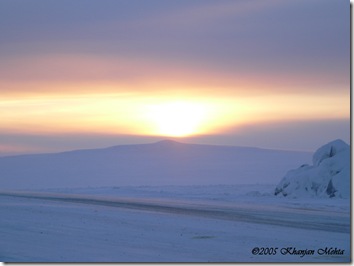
(79, 66)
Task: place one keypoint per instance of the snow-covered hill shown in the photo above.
(329, 176)
(162, 163)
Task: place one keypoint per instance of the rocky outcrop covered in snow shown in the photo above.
(329, 176)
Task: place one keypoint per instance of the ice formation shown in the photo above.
(329, 176)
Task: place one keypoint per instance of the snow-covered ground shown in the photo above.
(175, 202)
(218, 223)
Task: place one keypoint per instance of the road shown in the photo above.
(336, 222)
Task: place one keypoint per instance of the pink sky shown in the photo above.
(178, 69)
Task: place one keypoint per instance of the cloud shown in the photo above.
(229, 47)
(15, 143)
(207, 13)
(305, 135)
(65, 73)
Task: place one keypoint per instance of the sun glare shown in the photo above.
(177, 119)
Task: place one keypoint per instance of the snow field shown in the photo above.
(38, 230)
(176, 203)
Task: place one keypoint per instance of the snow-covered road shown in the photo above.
(250, 213)
(49, 227)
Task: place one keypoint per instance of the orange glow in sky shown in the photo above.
(160, 116)
(179, 69)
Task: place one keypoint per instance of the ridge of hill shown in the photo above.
(165, 162)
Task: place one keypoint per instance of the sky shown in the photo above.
(96, 73)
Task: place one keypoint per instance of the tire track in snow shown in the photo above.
(309, 220)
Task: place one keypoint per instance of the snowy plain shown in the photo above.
(217, 220)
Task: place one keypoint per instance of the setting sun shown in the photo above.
(177, 119)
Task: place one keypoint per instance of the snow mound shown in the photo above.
(329, 176)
